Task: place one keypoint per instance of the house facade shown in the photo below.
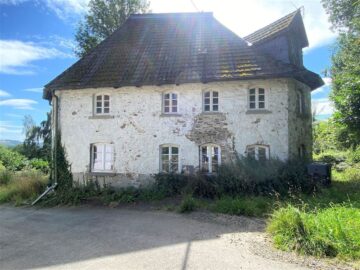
(180, 93)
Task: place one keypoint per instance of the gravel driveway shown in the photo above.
(105, 238)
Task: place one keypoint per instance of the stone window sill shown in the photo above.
(101, 117)
(102, 173)
(258, 111)
(209, 113)
(170, 115)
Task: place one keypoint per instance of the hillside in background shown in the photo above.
(10, 143)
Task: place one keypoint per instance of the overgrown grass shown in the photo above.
(22, 186)
(332, 232)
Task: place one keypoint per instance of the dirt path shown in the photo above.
(104, 238)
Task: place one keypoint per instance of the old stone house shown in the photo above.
(175, 92)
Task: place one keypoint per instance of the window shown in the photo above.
(169, 159)
(257, 98)
(211, 101)
(258, 152)
(301, 151)
(299, 102)
(210, 157)
(102, 104)
(102, 157)
(170, 103)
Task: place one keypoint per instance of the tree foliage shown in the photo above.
(345, 70)
(104, 17)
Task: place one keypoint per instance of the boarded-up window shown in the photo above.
(102, 157)
(210, 157)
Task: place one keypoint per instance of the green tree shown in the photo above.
(104, 17)
(345, 70)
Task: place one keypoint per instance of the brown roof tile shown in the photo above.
(156, 49)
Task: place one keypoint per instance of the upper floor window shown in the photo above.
(211, 101)
(258, 152)
(102, 157)
(102, 104)
(210, 157)
(256, 98)
(170, 103)
(169, 155)
(299, 102)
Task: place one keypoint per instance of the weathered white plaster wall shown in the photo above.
(138, 127)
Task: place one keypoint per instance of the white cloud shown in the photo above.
(67, 8)
(9, 130)
(246, 16)
(4, 93)
(12, 2)
(326, 86)
(16, 56)
(21, 104)
(35, 90)
(322, 106)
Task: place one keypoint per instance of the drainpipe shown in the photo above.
(54, 150)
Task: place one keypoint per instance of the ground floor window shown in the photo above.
(102, 157)
(169, 158)
(258, 152)
(210, 157)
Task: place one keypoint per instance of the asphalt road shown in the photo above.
(104, 238)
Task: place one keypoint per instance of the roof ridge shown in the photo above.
(169, 14)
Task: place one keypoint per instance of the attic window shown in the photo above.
(102, 104)
(257, 99)
(170, 103)
(211, 101)
(258, 152)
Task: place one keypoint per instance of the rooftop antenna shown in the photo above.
(193, 3)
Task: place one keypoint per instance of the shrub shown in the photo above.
(40, 164)
(170, 184)
(329, 232)
(201, 185)
(12, 160)
(187, 205)
(5, 177)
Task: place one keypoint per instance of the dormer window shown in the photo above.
(170, 103)
(211, 101)
(257, 99)
(102, 104)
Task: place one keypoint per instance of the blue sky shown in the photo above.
(36, 45)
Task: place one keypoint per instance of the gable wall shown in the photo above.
(138, 127)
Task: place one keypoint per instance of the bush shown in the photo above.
(170, 184)
(187, 205)
(12, 160)
(201, 185)
(329, 232)
(5, 177)
(40, 164)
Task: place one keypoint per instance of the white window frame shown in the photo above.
(256, 148)
(171, 105)
(102, 104)
(104, 157)
(170, 157)
(257, 98)
(211, 99)
(210, 153)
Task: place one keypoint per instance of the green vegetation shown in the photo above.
(22, 186)
(103, 18)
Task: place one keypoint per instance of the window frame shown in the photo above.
(257, 97)
(300, 102)
(211, 100)
(103, 145)
(102, 107)
(256, 148)
(209, 168)
(170, 154)
(171, 100)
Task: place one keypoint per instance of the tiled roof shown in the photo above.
(274, 29)
(156, 49)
